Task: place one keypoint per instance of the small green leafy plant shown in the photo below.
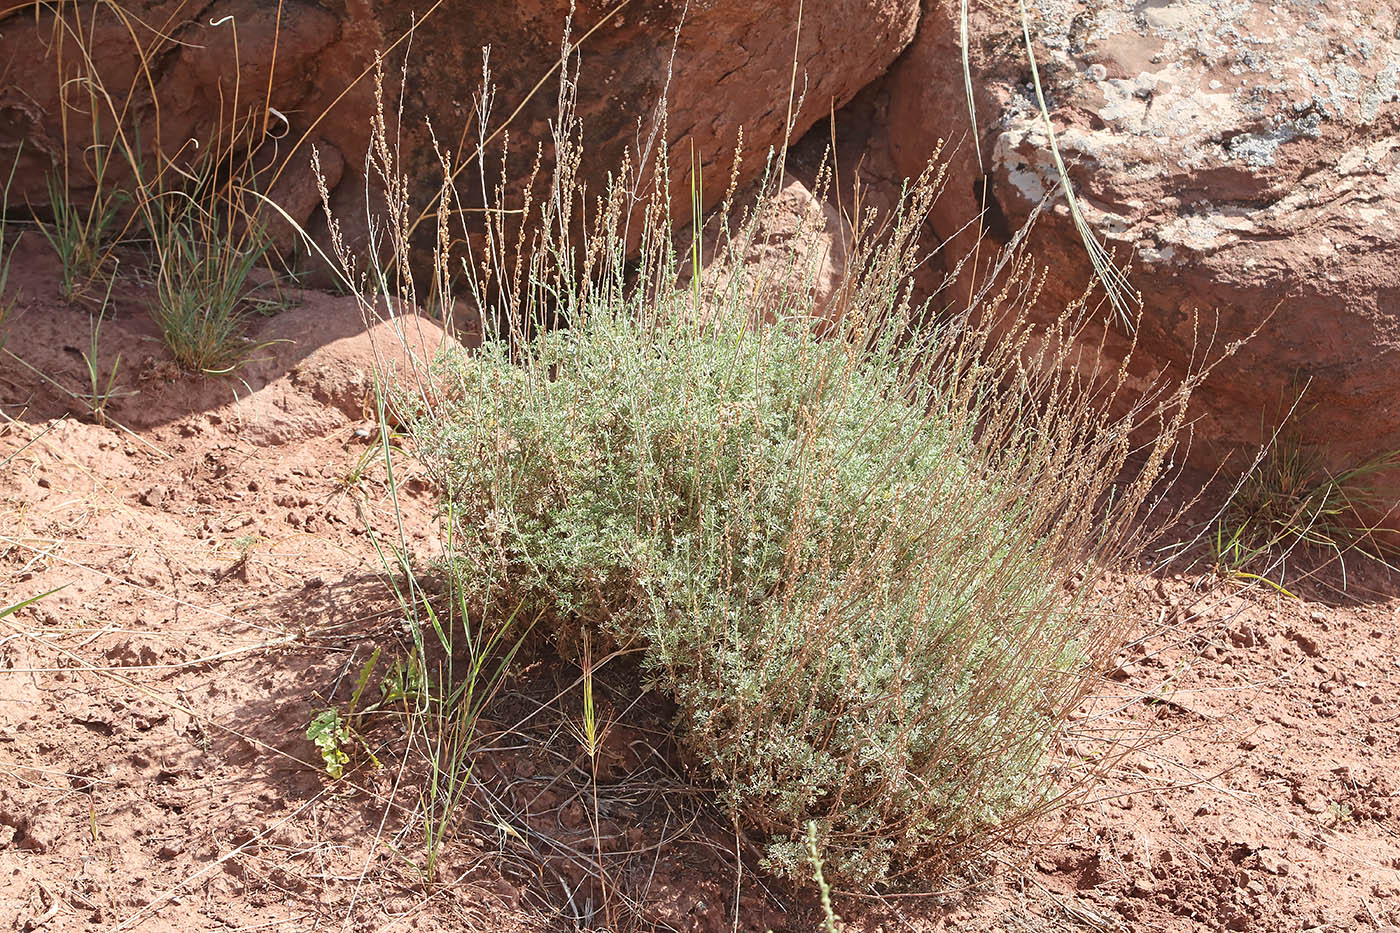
(334, 734)
(403, 686)
(331, 736)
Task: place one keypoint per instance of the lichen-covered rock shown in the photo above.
(1245, 154)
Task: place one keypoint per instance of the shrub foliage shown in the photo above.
(860, 556)
(859, 608)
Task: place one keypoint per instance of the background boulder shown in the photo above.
(252, 63)
(1245, 155)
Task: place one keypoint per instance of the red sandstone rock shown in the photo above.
(790, 257)
(732, 67)
(1247, 154)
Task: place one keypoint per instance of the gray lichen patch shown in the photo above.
(1240, 98)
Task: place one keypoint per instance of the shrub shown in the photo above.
(851, 579)
(861, 558)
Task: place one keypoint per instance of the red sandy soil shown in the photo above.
(220, 586)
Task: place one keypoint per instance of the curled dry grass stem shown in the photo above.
(1122, 299)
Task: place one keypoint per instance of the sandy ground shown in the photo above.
(212, 543)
